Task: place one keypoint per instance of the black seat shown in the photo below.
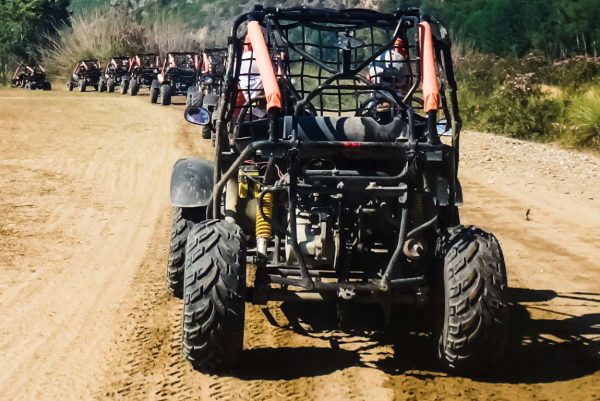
(355, 129)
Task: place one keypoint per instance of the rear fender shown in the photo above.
(210, 100)
(192, 182)
(155, 84)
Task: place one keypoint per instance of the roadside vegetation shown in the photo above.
(532, 98)
(109, 32)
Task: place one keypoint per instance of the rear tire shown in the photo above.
(183, 221)
(47, 86)
(135, 87)
(214, 295)
(472, 318)
(70, 86)
(165, 95)
(154, 93)
(82, 85)
(190, 95)
(110, 85)
(206, 131)
(124, 86)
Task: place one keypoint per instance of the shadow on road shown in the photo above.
(290, 363)
(555, 347)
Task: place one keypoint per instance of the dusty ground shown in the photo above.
(84, 313)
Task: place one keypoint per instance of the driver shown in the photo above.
(391, 68)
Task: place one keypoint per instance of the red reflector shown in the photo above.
(352, 144)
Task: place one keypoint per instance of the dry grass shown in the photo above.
(106, 33)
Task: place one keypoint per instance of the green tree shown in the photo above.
(25, 26)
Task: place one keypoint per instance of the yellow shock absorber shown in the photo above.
(263, 227)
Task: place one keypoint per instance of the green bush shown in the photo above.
(584, 120)
(532, 98)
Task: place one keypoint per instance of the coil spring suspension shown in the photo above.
(416, 211)
(263, 227)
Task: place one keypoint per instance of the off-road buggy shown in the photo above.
(180, 71)
(208, 89)
(331, 178)
(31, 76)
(143, 69)
(86, 73)
(115, 74)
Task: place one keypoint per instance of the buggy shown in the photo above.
(115, 74)
(86, 73)
(143, 69)
(208, 89)
(335, 176)
(31, 76)
(180, 70)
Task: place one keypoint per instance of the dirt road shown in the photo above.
(84, 312)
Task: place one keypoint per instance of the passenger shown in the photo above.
(250, 83)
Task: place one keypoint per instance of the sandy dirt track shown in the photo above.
(85, 314)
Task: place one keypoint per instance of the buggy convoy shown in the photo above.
(180, 71)
(31, 76)
(208, 89)
(143, 69)
(86, 73)
(115, 74)
(330, 176)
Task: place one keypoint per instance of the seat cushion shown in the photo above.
(355, 129)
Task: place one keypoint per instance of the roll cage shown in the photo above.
(86, 65)
(148, 60)
(310, 63)
(182, 60)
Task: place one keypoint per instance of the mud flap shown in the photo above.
(210, 100)
(191, 182)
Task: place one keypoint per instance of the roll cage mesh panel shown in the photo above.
(316, 75)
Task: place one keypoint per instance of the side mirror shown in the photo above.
(443, 128)
(197, 115)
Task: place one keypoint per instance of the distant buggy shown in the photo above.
(143, 69)
(115, 74)
(86, 73)
(207, 91)
(180, 71)
(31, 76)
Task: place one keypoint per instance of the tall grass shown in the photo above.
(105, 33)
(584, 119)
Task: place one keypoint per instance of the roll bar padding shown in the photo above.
(429, 81)
(265, 66)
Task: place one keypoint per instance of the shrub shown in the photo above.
(584, 119)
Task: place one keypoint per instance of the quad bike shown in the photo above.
(31, 76)
(208, 89)
(178, 73)
(86, 73)
(143, 69)
(336, 186)
(115, 74)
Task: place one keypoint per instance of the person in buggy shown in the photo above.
(250, 83)
(390, 69)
